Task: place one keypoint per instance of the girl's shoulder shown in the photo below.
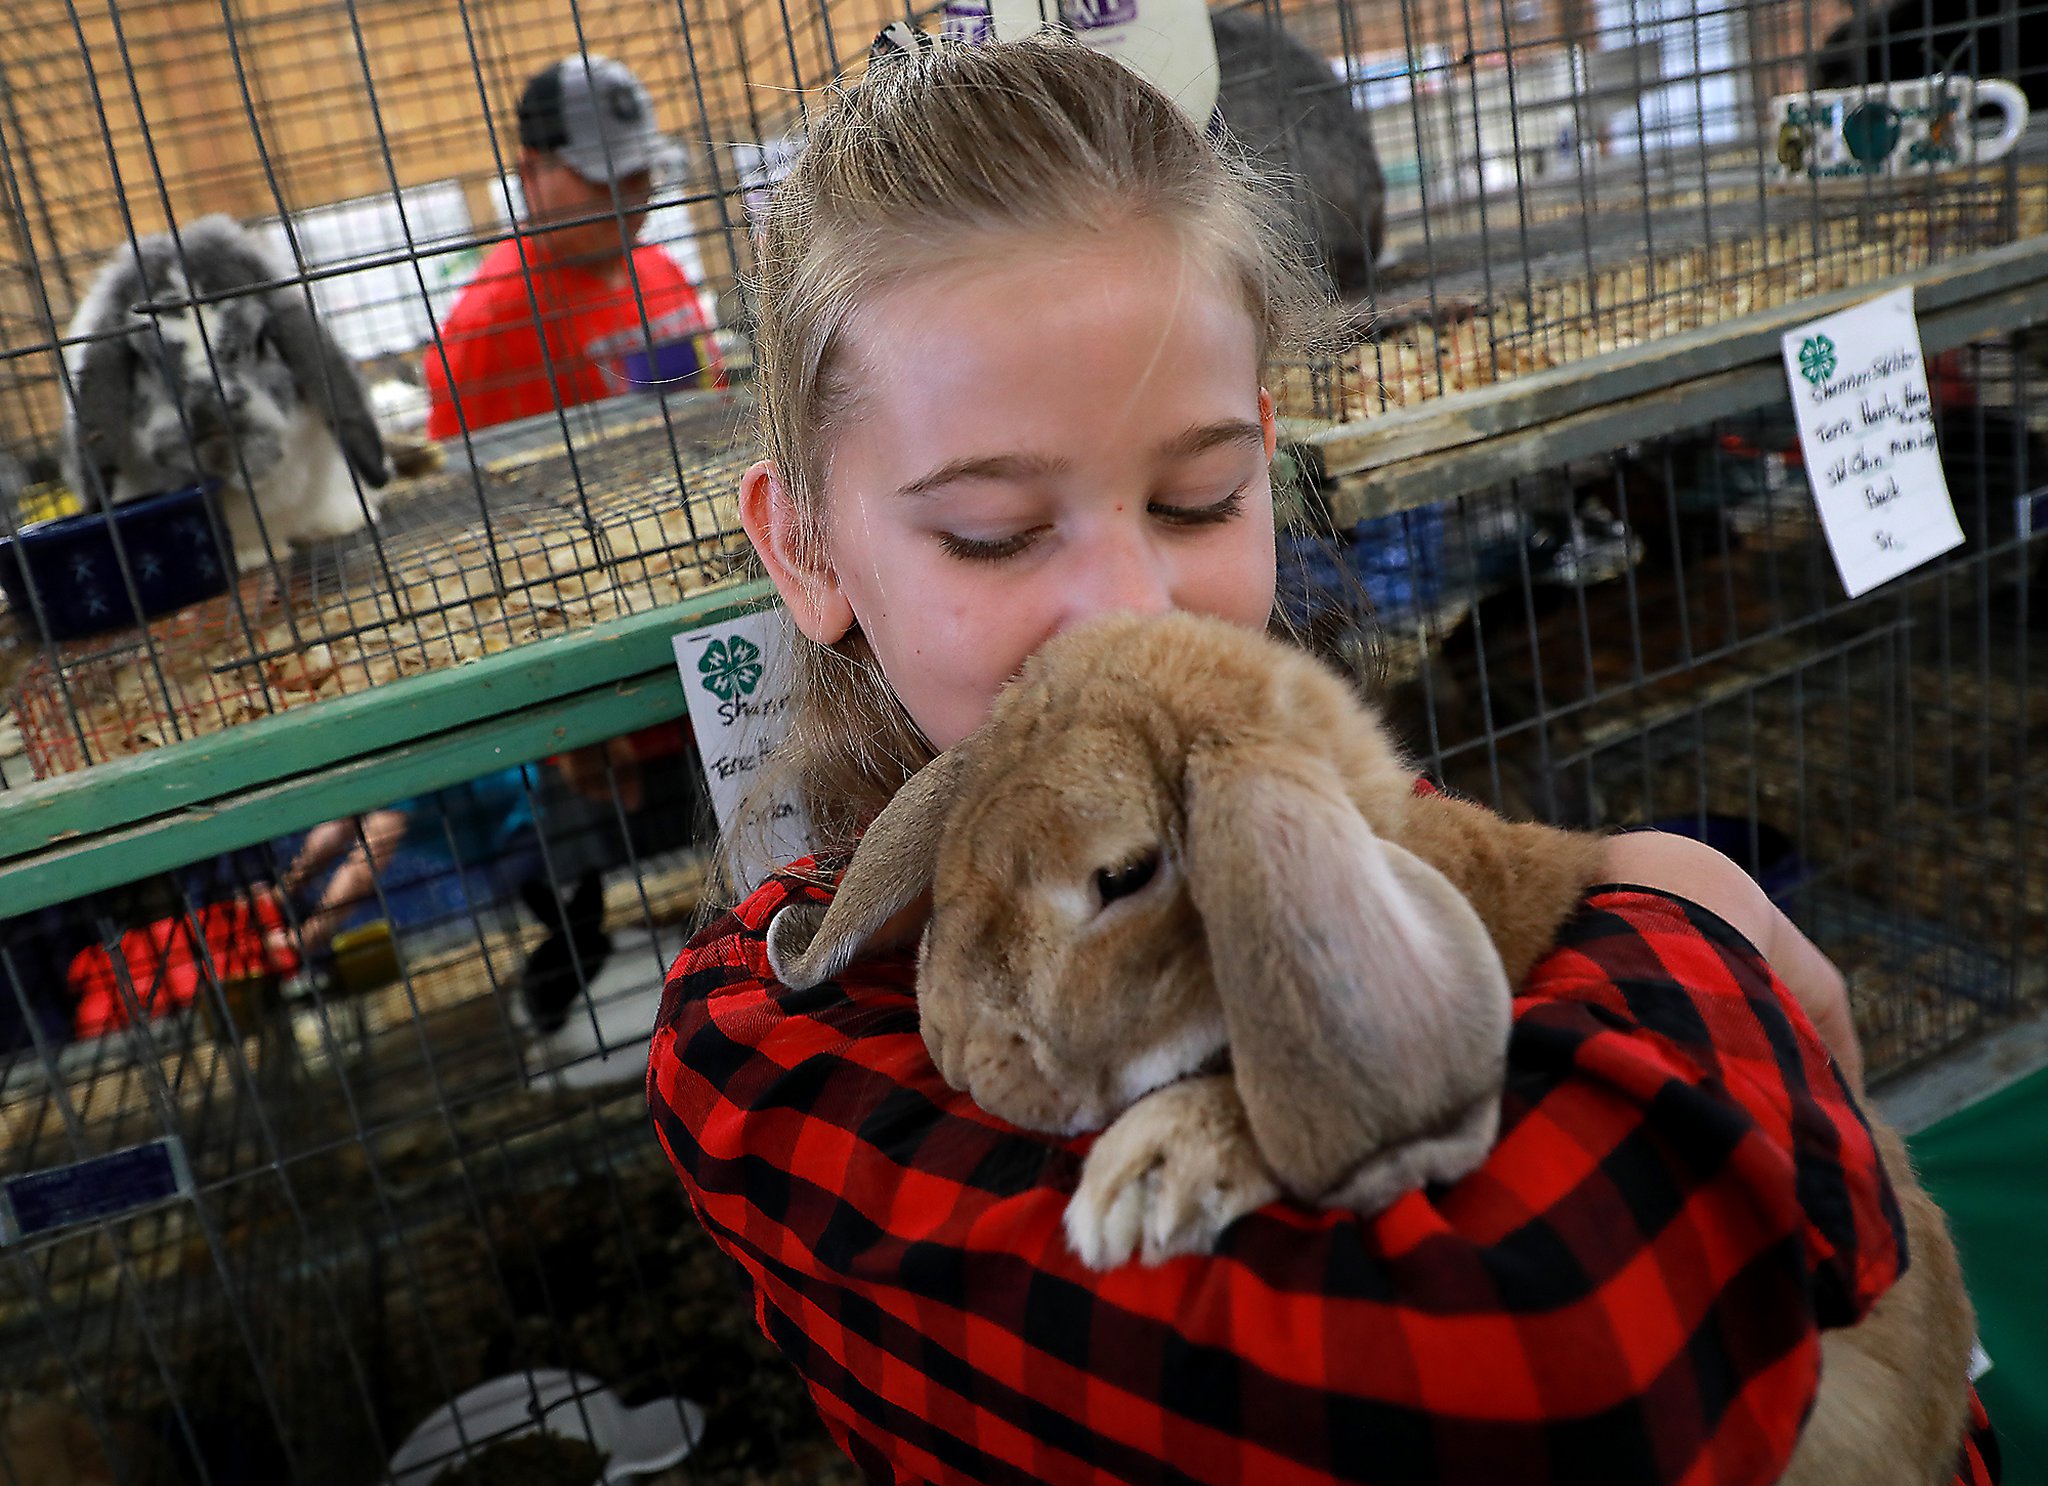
(1695, 872)
(806, 880)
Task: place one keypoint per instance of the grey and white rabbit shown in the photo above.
(1284, 104)
(1182, 886)
(245, 387)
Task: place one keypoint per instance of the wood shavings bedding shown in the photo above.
(473, 564)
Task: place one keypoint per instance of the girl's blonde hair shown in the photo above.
(915, 166)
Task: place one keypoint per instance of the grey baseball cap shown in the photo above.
(596, 115)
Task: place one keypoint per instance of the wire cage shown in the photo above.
(310, 1197)
(1656, 637)
(442, 580)
(1559, 182)
(372, 152)
(331, 1166)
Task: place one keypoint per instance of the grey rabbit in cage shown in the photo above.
(1284, 104)
(246, 387)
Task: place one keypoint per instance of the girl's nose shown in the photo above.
(1121, 572)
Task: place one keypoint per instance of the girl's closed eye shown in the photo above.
(1172, 513)
(1208, 513)
(994, 549)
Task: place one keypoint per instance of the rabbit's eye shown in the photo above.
(1112, 883)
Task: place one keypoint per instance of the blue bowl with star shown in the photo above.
(64, 579)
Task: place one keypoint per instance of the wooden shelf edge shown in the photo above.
(1602, 421)
(2010, 276)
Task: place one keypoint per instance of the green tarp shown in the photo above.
(1988, 1168)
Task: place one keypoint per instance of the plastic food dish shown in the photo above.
(172, 554)
(573, 1406)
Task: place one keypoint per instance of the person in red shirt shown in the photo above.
(572, 308)
(1014, 314)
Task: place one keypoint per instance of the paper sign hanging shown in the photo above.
(1866, 425)
(736, 676)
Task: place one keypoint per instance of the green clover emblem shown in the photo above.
(732, 669)
(1817, 359)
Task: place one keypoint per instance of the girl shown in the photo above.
(1013, 315)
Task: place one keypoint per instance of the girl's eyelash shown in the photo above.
(968, 549)
(1208, 515)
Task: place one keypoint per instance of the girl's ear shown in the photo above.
(809, 590)
(1268, 424)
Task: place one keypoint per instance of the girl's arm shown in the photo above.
(1691, 869)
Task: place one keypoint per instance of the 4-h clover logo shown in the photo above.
(732, 668)
(1817, 359)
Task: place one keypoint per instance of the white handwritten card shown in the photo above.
(736, 676)
(1866, 424)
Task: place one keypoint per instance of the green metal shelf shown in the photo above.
(131, 817)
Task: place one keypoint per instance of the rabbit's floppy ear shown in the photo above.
(327, 379)
(891, 869)
(1366, 1007)
(102, 403)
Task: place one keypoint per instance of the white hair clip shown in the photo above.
(898, 39)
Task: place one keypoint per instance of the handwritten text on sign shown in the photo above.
(736, 676)
(1866, 424)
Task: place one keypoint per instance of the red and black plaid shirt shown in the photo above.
(1628, 1291)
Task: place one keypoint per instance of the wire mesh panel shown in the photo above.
(301, 1146)
(1500, 191)
(1565, 179)
(1659, 638)
(371, 154)
(431, 588)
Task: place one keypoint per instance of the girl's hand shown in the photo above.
(1693, 870)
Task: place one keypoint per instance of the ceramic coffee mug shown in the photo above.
(1892, 129)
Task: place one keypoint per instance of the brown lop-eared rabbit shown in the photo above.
(1183, 888)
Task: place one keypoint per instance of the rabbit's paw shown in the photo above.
(1174, 1170)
